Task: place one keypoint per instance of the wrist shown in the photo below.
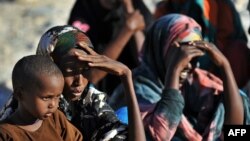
(172, 79)
(126, 74)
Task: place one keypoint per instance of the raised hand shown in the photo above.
(178, 63)
(180, 55)
(135, 21)
(217, 57)
(101, 62)
(234, 113)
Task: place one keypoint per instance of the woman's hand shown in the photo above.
(234, 110)
(216, 56)
(180, 55)
(102, 62)
(178, 63)
(135, 21)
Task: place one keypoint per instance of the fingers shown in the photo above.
(206, 46)
(87, 48)
(91, 58)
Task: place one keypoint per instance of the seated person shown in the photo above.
(37, 84)
(178, 100)
(84, 105)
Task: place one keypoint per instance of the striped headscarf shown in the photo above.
(170, 28)
(58, 40)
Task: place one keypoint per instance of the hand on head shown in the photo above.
(216, 56)
(101, 62)
(181, 54)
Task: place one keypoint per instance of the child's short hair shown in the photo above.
(28, 69)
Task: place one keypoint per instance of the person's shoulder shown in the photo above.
(58, 116)
(6, 130)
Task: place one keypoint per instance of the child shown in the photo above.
(37, 84)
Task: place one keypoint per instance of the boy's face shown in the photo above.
(40, 102)
(75, 75)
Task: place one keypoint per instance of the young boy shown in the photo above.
(37, 86)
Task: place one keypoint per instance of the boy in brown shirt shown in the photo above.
(37, 85)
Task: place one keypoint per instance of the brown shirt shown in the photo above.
(54, 128)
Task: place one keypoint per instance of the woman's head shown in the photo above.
(162, 35)
(60, 43)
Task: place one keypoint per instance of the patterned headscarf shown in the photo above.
(162, 34)
(58, 40)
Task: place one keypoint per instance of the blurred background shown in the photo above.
(22, 22)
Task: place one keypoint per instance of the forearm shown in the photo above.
(234, 112)
(139, 39)
(172, 78)
(114, 49)
(136, 130)
(166, 116)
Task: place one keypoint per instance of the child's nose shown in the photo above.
(53, 103)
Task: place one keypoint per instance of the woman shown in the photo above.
(221, 25)
(169, 77)
(85, 106)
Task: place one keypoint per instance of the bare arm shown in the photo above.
(133, 27)
(139, 35)
(136, 130)
(133, 23)
(233, 102)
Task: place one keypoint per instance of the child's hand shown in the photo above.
(102, 62)
(216, 56)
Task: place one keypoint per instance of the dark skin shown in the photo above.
(181, 55)
(37, 104)
(101, 62)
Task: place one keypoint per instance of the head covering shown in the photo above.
(58, 40)
(162, 34)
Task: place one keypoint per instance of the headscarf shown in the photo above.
(221, 24)
(58, 40)
(161, 35)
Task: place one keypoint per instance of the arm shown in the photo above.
(139, 35)
(161, 120)
(133, 27)
(168, 111)
(136, 130)
(234, 111)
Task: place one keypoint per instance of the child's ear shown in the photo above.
(17, 93)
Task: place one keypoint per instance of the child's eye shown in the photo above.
(68, 70)
(58, 96)
(45, 98)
